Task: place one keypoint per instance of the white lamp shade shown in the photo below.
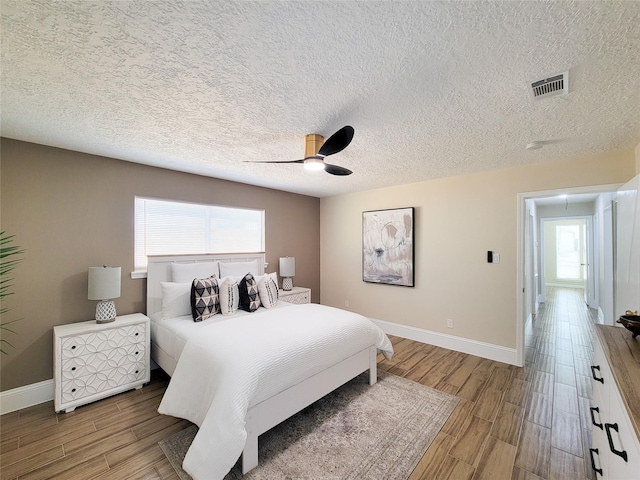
(104, 283)
(287, 266)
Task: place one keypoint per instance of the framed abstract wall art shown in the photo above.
(388, 247)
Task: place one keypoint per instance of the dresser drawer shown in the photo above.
(83, 344)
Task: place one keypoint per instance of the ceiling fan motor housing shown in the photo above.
(312, 145)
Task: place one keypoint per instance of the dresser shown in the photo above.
(92, 361)
(615, 405)
(296, 295)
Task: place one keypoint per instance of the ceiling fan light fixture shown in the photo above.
(314, 164)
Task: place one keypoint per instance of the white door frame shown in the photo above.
(522, 221)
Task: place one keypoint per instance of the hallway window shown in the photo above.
(568, 250)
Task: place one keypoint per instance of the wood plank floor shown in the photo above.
(511, 423)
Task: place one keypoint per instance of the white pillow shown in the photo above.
(268, 291)
(176, 299)
(239, 269)
(273, 275)
(229, 296)
(187, 272)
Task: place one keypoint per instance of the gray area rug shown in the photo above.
(355, 432)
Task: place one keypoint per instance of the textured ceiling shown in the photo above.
(433, 89)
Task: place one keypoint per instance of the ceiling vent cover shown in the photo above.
(555, 85)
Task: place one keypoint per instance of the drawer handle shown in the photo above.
(136, 334)
(593, 418)
(593, 373)
(73, 390)
(73, 347)
(73, 369)
(614, 426)
(593, 462)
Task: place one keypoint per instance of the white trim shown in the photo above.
(459, 344)
(27, 396)
(600, 316)
(138, 274)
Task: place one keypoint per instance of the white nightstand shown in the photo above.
(92, 361)
(296, 295)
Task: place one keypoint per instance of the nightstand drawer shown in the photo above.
(296, 295)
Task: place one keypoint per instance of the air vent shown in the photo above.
(556, 85)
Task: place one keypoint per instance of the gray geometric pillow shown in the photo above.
(205, 302)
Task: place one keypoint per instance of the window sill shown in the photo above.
(139, 274)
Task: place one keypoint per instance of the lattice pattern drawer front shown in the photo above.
(297, 298)
(84, 344)
(102, 381)
(97, 362)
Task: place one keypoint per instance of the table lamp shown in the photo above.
(287, 270)
(104, 285)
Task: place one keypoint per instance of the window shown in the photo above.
(165, 227)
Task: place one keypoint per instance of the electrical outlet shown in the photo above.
(346, 303)
(450, 323)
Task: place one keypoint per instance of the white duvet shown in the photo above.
(238, 363)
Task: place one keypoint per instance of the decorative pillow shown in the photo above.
(249, 295)
(175, 299)
(229, 296)
(268, 290)
(187, 272)
(204, 298)
(238, 269)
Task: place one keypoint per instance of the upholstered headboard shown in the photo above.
(159, 270)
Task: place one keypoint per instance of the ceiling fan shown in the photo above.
(315, 151)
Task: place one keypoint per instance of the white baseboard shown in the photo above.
(459, 344)
(27, 396)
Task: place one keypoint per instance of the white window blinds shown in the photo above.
(165, 227)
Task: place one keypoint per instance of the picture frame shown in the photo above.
(388, 248)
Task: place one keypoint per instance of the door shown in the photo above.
(628, 248)
(588, 262)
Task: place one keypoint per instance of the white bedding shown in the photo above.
(171, 334)
(232, 365)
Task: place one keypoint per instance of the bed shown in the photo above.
(261, 367)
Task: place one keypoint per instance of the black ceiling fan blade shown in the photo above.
(337, 142)
(274, 161)
(336, 170)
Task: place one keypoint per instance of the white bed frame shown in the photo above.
(272, 411)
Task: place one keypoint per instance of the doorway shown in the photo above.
(564, 252)
(570, 203)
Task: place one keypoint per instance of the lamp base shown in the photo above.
(105, 311)
(287, 283)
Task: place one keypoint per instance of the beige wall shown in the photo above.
(457, 220)
(70, 210)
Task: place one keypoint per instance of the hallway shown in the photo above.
(558, 355)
